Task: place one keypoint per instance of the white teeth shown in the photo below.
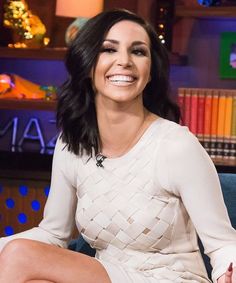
(121, 78)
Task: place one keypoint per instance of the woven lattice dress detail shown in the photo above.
(142, 210)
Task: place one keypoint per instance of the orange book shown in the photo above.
(221, 124)
(193, 111)
(232, 154)
(214, 119)
(207, 120)
(227, 124)
(200, 115)
(181, 92)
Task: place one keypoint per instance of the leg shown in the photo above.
(24, 260)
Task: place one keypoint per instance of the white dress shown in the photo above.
(141, 211)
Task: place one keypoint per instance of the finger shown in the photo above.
(228, 274)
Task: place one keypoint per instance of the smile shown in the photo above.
(121, 79)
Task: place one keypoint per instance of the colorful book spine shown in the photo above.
(214, 119)
(187, 107)
(221, 124)
(207, 120)
(232, 154)
(200, 115)
(181, 103)
(210, 114)
(194, 111)
(227, 125)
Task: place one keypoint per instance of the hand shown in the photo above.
(229, 276)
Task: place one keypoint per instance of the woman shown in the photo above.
(137, 184)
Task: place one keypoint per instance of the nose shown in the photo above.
(124, 59)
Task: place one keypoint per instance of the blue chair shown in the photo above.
(80, 245)
(228, 185)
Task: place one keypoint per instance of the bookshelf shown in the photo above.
(210, 114)
(196, 25)
(27, 104)
(225, 168)
(38, 54)
(225, 165)
(206, 12)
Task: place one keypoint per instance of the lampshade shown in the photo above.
(78, 8)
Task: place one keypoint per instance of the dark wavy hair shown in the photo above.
(76, 113)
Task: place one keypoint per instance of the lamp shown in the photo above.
(78, 8)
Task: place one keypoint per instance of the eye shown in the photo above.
(108, 49)
(140, 52)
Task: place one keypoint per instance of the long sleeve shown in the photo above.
(59, 213)
(193, 177)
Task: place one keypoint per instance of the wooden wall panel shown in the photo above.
(146, 9)
(14, 202)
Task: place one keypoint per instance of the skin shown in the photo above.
(27, 261)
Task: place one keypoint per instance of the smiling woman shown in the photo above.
(124, 173)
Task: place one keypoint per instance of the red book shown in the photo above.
(207, 120)
(194, 111)
(187, 107)
(181, 102)
(200, 115)
(214, 119)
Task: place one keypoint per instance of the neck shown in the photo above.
(118, 133)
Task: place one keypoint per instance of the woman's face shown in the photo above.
(123, 66)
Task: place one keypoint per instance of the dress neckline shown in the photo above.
(135, 148)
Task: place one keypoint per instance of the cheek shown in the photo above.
(100, 70)
(147, 72)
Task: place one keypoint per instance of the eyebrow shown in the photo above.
(133, 43)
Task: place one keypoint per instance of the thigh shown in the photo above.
(47, 263)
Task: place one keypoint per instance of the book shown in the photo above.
(214, 119)
(227, 124)
(220, 124)
(193, 111)
(210, 114)
(181, 103)
(187, 107)
(200, 115)
(207, 120)
(232, 151)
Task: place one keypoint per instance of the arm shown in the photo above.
(59, 213)
(193, 177)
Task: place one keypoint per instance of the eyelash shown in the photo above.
(139, 52)
(108, 49)
(136, 51)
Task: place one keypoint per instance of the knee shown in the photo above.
(15, 251)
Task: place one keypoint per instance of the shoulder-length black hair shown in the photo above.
(76, 113)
